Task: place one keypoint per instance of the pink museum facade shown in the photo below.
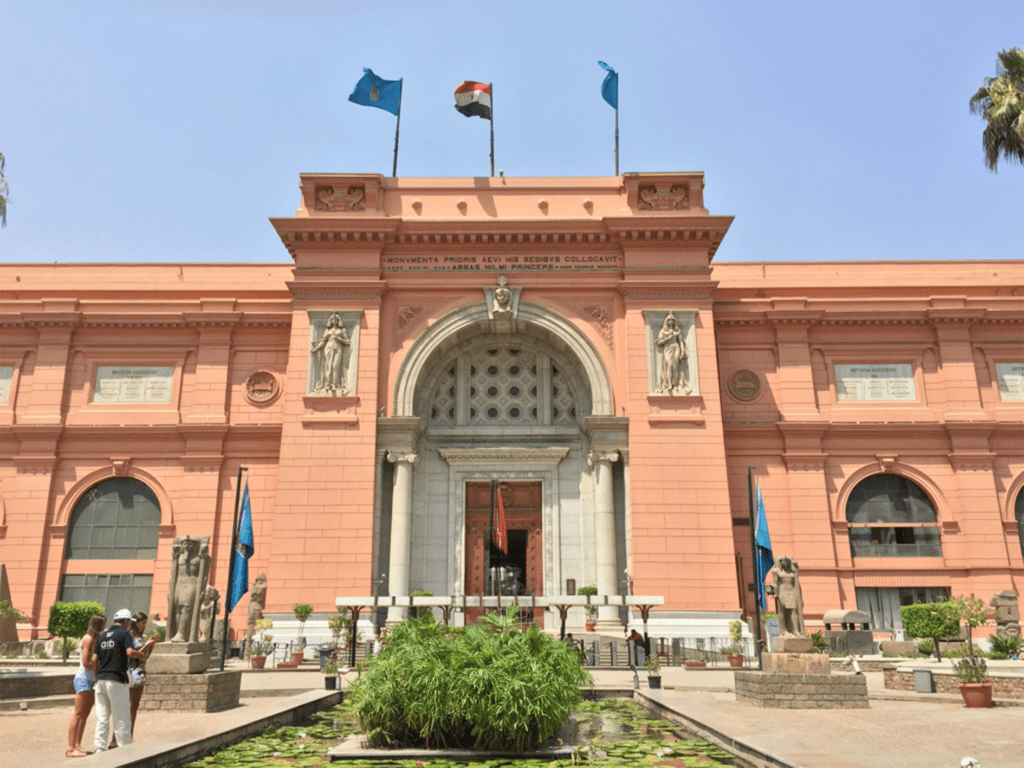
(570, 338)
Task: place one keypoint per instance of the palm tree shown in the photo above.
(1001, 102)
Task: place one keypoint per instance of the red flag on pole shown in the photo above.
(501, 531)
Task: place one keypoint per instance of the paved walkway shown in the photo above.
(900, 730)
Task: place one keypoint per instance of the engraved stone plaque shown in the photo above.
(133, 384)
(875, 382)
(6, 374)
(1011, 381)
(744, 385)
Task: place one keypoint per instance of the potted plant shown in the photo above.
(975, 688)
(591, 621)
(653, 665)
(340, 626)
(261, 644)
(695, 659)
(302, 612)
(734, 651)
(331, 673)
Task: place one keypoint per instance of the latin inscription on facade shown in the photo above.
(522, 262)
(888, 382)
(133, 384)
(1011, 381)
(6, 374)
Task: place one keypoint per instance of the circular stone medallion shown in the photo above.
(744, 385)
(261, 388)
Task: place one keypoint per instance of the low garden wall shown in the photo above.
(1006, 684)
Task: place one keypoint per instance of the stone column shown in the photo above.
(401, 529)
(604, 535)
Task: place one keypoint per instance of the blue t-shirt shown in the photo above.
(112, 654)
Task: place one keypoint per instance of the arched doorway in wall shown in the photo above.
(117, 519)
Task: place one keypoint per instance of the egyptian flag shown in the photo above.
(501, 532)
(474, 99)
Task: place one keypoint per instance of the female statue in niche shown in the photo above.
(671, 353)
(331, 347)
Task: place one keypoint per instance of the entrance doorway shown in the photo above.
(523, 562)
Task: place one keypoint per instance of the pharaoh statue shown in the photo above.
(208, 614)
(331, 348)
(257, 601)
(190, 570)
(1007, 613)
(789, 601)
(671, 353)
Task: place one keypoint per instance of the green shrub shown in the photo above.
(302, 612)
(487, 686)
(8, 611)
(972, 612)
(418, 613)
(71, 619)
(821, 643)
(932, 620)
(589, 589)
(1005, 645)
(41, 654)
(970, 669)
(926, 646)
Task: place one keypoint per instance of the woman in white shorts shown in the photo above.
(84, 696)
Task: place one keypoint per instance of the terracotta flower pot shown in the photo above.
(297, 656)
(976, 695)
(695, 664)
(735, 659)
(589, 625)
(258, 662)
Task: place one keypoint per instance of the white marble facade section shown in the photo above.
(659, 323)
(432, 550)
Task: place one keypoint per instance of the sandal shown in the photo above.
(75, 753)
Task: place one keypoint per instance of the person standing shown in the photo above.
(138, 666)
(84, 681)
(111, 653)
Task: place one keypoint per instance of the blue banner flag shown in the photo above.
(244, 549)
(763, 558)
(610, 86)
(373, 91)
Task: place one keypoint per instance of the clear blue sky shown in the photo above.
(143, 131)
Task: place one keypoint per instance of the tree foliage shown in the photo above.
(487, 686)
(71, 620)
(936, 621)
(1001, 102)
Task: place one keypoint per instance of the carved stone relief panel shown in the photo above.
(652, 197)
(333, 353)
(672, 352)
(350, 199)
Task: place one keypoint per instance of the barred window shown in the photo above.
(113, 591)
(891, 516)
(116, 519)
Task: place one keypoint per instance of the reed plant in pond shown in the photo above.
(487, 686)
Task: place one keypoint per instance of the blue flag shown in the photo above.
(243, 551)
(610, 86)
(373, 91)
(763, 558)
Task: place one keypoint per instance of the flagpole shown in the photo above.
(231, 571)
(616, 141)
(398, 122)
(491, 86)
(754, 561)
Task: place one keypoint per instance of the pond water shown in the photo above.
(610, 732)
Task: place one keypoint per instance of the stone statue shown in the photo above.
(190, 570)
(671, 353)
(208, 614)
(502, 298)
(257, 601)
(331, 348)
(789, 601)
(1007, 613)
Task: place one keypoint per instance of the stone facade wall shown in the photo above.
(802, 691)
(192, 693)
(1002, 687)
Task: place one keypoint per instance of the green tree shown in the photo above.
(936, 621)
(1001, 101)
(302, 612)
(972, 612)
(71, 620)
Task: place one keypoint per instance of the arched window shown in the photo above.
(891, 516)
(116, 519)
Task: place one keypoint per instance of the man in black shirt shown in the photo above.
(112, 650)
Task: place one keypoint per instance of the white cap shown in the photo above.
(123, 614)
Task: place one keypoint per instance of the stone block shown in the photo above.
(178, 659)
(794, 645)
(897, 647)
(796, 664)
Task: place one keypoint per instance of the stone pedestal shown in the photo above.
(210, 692)
(800, 681)
(178, 659)
(789, 644)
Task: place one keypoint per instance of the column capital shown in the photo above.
(410, 458)
(597, 456)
